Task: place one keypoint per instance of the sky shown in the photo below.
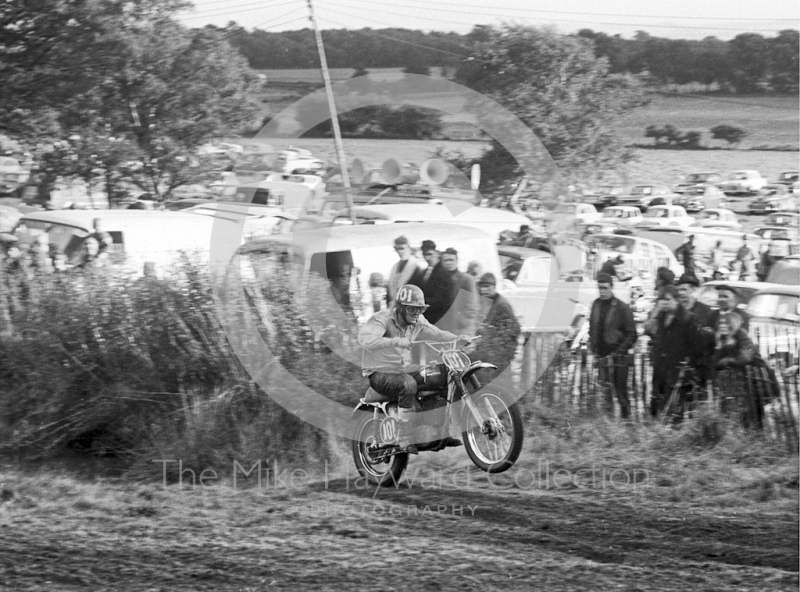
(677, 19)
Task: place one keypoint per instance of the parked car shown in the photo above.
(621, 216)
(775, 321)
(638, 254)
(782, 232)
(700, 197)
(788, 178)
(597, 196)
(665, 216)
(641, 196)
(705, 239)
(773, 198)
(746, 290)
(744, 182)
(718, 218)
(694, 179)
(139, 236)
(783, 219)
(786, 271)
(584, 212)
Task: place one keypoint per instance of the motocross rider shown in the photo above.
(386, 339)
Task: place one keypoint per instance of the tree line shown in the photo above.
(747, 63)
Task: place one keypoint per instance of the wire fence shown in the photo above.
(762, 395)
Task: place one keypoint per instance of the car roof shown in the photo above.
(84, 218)
(624, 208)
(781, 289)
(434, 212)
(346, 238)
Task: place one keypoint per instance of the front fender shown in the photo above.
(473, 367)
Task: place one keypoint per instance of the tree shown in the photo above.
(729, 133)
(655, 132)
(784, 62)
(749, 61)
(561, 90)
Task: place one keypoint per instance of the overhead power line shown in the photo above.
(460, 11)
(241, 9)
(460, 6)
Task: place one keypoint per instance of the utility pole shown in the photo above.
(337, 134)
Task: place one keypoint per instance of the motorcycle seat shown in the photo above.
(374, 396)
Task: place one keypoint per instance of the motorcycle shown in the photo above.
(489, 423)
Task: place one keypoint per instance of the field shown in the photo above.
(568, 517)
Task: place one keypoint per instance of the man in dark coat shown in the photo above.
(610, 266)
(676, 339)
(434, 282)
(499, 331)
(461, 297)
(685, 254)
(702, 313)
(612, 333)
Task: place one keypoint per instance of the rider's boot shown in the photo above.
(405, 419)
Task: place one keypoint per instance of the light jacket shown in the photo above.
(375, 337)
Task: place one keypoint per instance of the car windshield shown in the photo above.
(776, 306)
(789, 177)
(641, 190)
(613, 213)
(696, 178)
(510, 267)
(712, 216)
(737, 176)
(656, 213)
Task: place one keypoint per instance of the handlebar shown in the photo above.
(452, 344)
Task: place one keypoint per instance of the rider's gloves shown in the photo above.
(466, 338)
(401, 342)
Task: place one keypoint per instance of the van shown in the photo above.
(139, 236)
(368, 249)
(490, 220)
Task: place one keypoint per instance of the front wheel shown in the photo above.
(495, 442)
(372, 457)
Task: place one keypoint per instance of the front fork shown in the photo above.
(456, 383)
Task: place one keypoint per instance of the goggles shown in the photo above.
(415, 310)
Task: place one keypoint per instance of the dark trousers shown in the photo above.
(614, 375)
(400, 387)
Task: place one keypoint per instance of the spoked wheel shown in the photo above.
(374, 460)
(495, 442)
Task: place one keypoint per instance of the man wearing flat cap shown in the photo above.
(499, 330)
(702, 313)
(727, 300)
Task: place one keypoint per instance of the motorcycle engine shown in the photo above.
(436, 405)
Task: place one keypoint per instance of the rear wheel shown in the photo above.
(495, 442)
(372, 457)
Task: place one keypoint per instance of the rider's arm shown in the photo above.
(430, 332)
(371, 335)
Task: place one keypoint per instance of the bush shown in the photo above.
(142, 369)
(729, 133)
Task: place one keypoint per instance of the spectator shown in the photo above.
(611, 265)
(434, 282)
(90, 256)
(744, 260)
(40, 259)
(105, 243)
(702, 313)
(461, 298)
(687, 287)
(733, 347)
(716, 261)
(499, 330)
(403, 271)
(664, 278)
(475, 269)
(727, 300)
(685, 254)
(378, 292)
(774, 253)
(612, 333)
(676, 339)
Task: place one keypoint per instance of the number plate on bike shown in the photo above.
(455, 360)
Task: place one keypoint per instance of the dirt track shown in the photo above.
(63, 535)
